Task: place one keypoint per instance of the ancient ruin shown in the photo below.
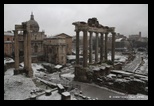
(29, 28)
(92, 26)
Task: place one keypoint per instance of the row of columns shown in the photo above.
(27, 53)
(85, 47)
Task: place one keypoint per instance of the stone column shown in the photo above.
(16, 45)
(113, 47)
(106, 38)
(77, 47)
(96, 48)
(85, 48)
(90, 48)
(30, 72)
(101, 48)
(25, 50)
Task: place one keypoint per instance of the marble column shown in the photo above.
(113, 47)
(25, 50)
(85, 48)
(106, 39)
(29, 33)
(101, 47)
(96, 48)
(77, 47)
(90, 47)
(16, 45)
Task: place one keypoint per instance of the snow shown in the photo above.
(9, 72)
(119, 58)
(66, 93)
(118, 40)
(137, 97)
(68, 75)
(111, 75)
(58, 66)
(121, 72)
(36, 73)
(72, 57)
(17, 87)
(54, 96)
(8, 60)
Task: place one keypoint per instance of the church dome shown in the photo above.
(33, 24)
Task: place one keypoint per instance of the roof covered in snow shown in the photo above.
(8, 34)
(118, 40)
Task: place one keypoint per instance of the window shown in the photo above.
(8, 39)
(36, 48)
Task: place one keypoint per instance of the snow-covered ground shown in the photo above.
(17, 87)
(119, 58)
(68, 75)
(144, 68)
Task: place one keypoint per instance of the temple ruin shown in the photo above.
(92, 26)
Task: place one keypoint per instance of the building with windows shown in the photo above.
(55, 50)
(8, 43)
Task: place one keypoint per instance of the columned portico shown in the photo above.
(92, 26)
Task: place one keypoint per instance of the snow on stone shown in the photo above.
(72, 57)
(35, 67)
(54, 96)
(118, 40)
(119, 58)
(111, 75)
(8, 60)
(58, 66)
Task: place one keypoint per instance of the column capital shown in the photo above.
(113, 33)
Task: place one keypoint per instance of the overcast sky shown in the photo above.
(58, 18)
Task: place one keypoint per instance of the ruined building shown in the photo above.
(92, 26)
(55, 50)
